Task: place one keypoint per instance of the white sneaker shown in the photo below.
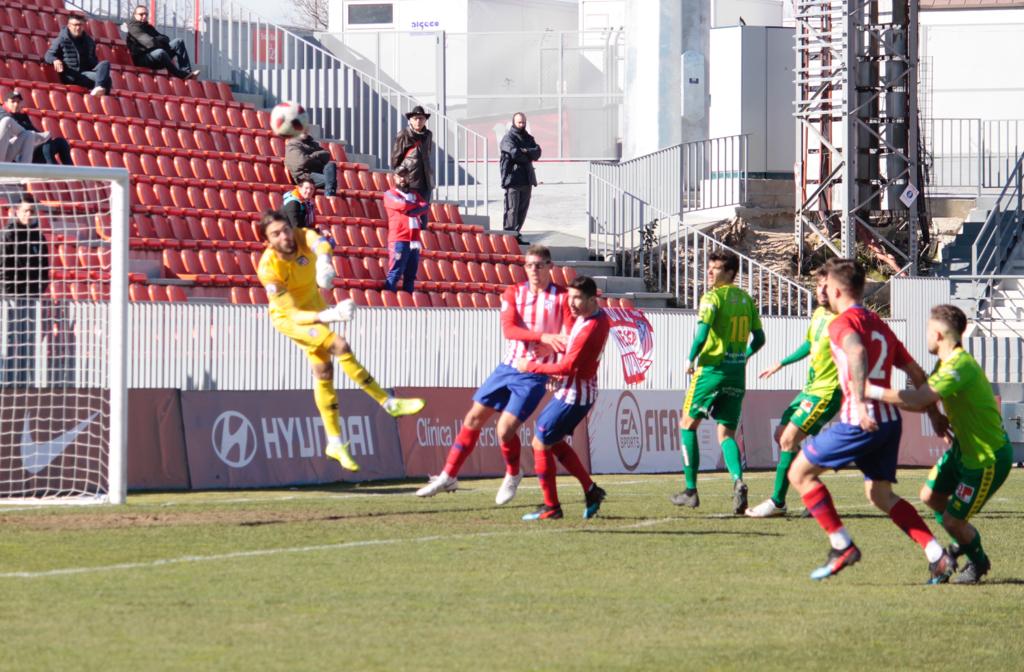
(98, 91)
(508, 488)
(766, 509)
(441, 482)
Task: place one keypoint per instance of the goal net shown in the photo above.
(63, 305)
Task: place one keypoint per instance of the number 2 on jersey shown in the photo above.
(878, 370)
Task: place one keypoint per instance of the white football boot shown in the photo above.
(508, 488)
(440, 483)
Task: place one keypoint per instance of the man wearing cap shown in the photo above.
(46, 149)
(412, 149)
(73, 55)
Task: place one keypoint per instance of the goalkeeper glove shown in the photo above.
(324, 271)
(343, 312)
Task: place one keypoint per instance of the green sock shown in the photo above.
(974, 551)
(731, 453)
(691, 456)
(781, 481)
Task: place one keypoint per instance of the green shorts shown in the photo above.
(716, 393)
(969, 489)
(811, 413)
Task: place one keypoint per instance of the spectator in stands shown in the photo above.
(152, 49)
(412, 149)
(16, 142)
(405, 207)
(298, 205)
(306, 159)
(25, 266)
(73, 55)
(518, 152)
(47, 149)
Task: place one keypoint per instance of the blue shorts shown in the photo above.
(558, 420)
(875, 453)
(511, 391)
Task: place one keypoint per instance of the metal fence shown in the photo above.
(234, 44)
(568, 83)
(687, 177)
(965, 155)
(644, 241)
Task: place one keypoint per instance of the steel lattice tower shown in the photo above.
(856, 75)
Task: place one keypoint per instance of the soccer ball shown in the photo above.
(288, 119)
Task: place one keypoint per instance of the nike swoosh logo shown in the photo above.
(36, 456)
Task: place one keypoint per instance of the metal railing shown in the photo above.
(686, 177)
(233, 44)
(644, 241)
(998, 237)
(970, 154)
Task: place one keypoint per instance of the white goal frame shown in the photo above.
(117, 322)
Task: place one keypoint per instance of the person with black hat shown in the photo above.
(47, 148)
(412, 150)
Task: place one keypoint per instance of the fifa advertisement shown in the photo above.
(261, 439)
(427, 437)
(637, 432)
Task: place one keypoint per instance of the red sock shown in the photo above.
(460, 450)
(567, 456)
(819, 502)
(545, 464)
(909, 520)
(510, 451)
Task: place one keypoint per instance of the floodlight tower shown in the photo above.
(858, 177)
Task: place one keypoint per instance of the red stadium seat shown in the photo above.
(240, 295)
(340, 294)
(137, 292)
(373, 298)
(437, 300)
(419, 299)
(451, 299)
(358, 295)
(504, 277)
(157, 293)
(518, 274)
(390, 300)
(258, 295)
(492, 300)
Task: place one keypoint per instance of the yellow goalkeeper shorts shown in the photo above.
(314, 339)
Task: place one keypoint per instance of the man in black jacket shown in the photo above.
(412, 150)
(47, 149)
(73, 55)
(518, 152)
(25, 265)
(152, 49)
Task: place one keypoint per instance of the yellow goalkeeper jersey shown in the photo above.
(291, 285)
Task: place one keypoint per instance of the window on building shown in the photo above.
(376, 13)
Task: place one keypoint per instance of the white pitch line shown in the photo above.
(265, 552)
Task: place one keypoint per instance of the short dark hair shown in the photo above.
(539, 251)
(952, 317)
(75, 16)
(850, 274)
(304, 180)
(269, 217)
(823, 270)
(585, 285)
(402, 171)
(27, 198)
(729, 260)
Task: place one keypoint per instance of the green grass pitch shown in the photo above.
(371, 578)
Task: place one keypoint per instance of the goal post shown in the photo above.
(63, 334)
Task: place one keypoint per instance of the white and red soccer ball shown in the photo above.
(288, 119)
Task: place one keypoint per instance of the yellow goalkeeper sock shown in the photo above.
(354, 370)
(327, 403)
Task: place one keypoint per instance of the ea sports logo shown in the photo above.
(627, 431)
(233, 439)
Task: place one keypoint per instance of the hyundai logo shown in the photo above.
(233, 439)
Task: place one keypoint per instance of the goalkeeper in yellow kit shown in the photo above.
(293, 269)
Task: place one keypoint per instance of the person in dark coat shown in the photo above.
(152, 49)
(412, 150)
(306, 159)
(73, 55)
(25, 269)
(518, 152)
(48, 149)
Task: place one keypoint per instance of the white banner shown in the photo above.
(638, 432)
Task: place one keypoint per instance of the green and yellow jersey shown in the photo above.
(971, 407)
(823, 376)
(731, 315)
